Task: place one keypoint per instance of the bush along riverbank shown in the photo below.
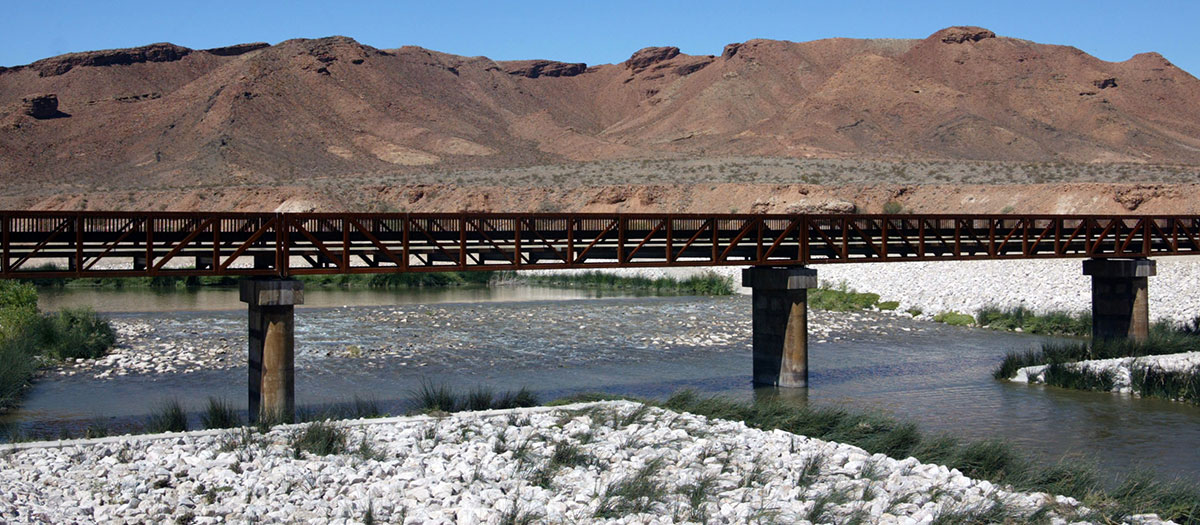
(704, 284)
(688, 458)
(30, 339)
(1167, 365)
(841, 298)
(1021, 319)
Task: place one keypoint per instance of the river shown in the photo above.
(381, 345)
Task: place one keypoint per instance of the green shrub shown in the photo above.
(892, 207)
(17, 366)
(888, 305)
(14, 294)
(954, 319)
(75, 333)
(18, 308)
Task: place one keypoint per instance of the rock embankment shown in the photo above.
(1042, 285)
(604, 462)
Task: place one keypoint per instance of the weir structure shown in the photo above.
(272, 248)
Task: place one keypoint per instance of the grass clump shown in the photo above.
(953, 318)
(220, 414)
(436, 397)
(519, 399)
(1180, 385)
(432, 397)
(1050, 323)
(320, 438)
(841, 299)
(893, 208)
(1079, 378)
(169, 418)
(632, 494)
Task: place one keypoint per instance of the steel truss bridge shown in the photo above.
(40, 244)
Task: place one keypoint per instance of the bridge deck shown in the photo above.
(136, 244)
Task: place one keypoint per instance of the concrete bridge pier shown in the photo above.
(1120, 304)
(780, 323)
(272, 387)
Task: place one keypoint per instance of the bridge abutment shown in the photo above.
(780, 323)
(1120, 303)
(271, 304)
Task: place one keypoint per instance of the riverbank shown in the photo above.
(603, 462)
(1039, 285)
(700, 284)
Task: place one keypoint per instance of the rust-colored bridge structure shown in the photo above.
(135, 244)
(269, 249)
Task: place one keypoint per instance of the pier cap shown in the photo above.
(1120, 268)
(272, 292)
(779, 278)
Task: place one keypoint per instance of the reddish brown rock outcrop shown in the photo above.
(962, 34)
(41, 106)
(59, 65)
(649, 56)
(543, 68)
(238, 49)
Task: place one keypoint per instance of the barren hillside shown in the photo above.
(305, 116)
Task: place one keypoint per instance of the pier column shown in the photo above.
(272, 345)
(1120, 305)
(780, 323)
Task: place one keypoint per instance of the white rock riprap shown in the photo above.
(1042, 285)
(617, 462)
(1121, 368)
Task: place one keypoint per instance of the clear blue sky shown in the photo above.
(595, 31)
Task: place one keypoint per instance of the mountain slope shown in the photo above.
(164, 115)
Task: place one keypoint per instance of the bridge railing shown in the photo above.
(83, 244)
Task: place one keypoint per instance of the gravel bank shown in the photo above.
(1120, 368)
(615, 463)
(966, 286)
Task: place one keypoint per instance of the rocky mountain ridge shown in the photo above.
(167, 116)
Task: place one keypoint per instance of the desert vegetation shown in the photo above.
(30, 339)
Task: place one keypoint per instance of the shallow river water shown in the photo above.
(382, 345)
